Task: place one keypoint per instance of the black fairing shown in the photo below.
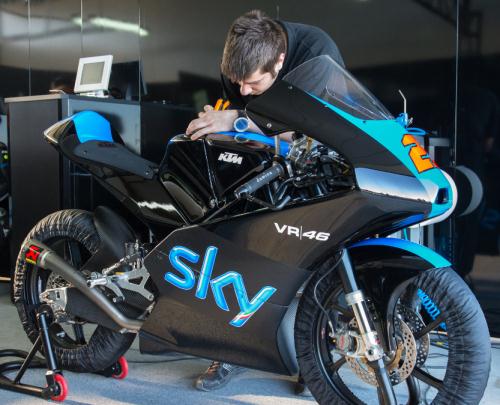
(113, 232)
(253, 246)
(187, 324)
(292, 109)
(347, 217)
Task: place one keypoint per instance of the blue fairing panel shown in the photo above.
(390, 133)
(424, 252)
(90, 126)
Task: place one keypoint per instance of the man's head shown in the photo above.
(254, 52)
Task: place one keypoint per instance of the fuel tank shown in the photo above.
(201, 175)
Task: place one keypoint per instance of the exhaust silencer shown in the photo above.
(38, 254)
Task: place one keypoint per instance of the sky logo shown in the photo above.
(186, 281)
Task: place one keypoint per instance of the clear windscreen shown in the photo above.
(326, 79)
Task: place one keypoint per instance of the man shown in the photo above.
(258, 52)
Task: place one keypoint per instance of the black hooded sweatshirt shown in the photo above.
(304, 42)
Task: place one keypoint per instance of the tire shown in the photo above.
(468, 342)
(70, 231)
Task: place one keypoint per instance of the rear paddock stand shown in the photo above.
(56, 388)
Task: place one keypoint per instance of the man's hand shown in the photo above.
(210, 121)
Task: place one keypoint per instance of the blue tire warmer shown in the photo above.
(430, 306)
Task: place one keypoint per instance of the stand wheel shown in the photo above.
(120, 369)
(62, 388)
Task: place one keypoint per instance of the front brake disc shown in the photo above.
(410, 353)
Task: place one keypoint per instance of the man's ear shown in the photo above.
(279, 63)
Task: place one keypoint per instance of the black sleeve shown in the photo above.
(323, 44)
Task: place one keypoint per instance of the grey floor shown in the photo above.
(168, 379)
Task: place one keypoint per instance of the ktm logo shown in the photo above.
(186, 281)
(230, 158)
(418, 155)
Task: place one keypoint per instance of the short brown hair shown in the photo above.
(254, 41)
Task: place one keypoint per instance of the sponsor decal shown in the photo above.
(186, 280)
(418, 155)
(32, 254)
(299, 232)
(229, 157)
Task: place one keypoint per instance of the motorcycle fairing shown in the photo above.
(378, 145)
(258, 248)
(348, 217)
(396, 139)
(189, 322)
(287, 108)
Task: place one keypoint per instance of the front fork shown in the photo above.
(374, 350)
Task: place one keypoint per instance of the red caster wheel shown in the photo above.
(121, 369)
(62, 387)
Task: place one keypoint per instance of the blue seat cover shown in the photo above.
(91, 126)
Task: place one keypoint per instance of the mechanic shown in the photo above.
(258, 52)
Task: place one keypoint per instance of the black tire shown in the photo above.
(74, 228)
(468, 340)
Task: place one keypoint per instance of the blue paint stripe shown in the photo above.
(424, 252)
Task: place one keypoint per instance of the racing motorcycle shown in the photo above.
(266, 254)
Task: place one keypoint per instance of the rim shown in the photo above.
(421, 386)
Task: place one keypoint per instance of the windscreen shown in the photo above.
(326, 79)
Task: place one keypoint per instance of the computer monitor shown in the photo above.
(93, 74)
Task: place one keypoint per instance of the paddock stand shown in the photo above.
(56, 388)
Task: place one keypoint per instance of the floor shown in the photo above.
(169, 379)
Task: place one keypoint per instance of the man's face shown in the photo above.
(256, 83)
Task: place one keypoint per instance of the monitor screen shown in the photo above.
(92, 73)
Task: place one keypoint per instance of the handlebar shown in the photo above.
(259, 181)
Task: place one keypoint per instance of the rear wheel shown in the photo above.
(443, 349)
(78, 345)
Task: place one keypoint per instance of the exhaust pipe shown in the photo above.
(38, 254)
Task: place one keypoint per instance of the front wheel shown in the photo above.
(443, 346)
